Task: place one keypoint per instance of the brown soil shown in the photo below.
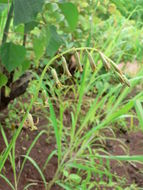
(39, 153)
(132, 172)
(132, 145)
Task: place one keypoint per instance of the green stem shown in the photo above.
(5, 33)
(7, 25)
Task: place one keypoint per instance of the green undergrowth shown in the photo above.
(90, 106)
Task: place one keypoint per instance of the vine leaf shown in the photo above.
(12, 55)
(30, 26)
(39, 46)
(25, 11)
(54, 40)
(70, 12)
(19, 71)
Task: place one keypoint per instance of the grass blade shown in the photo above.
(56, 130)
(37, 168)
(139, 110)
(7, 181)
(138, 158)
(28, 152)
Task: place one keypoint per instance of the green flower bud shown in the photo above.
(65, 67)
(92, 63)
(78, 62)
(55, 77)
(105, 62)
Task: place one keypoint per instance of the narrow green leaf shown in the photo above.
(29, 150)
(138, 158)
(7, 181)
(54, 152)
(37, 168)
(139, 110)
(29, 185)
(64, 186)
(56, 130)
(127, 107)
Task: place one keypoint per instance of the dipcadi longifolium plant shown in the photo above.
(14, 61)
(108, 63)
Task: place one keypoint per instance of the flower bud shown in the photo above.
(115, 67)
(65, 67)
(78, 62)
(55, 77)
(92, 63)
(126, 81)
(120, 77)
(105, 62)
(31, 122)
(44, 97)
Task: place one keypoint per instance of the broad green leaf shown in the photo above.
(12, 55)
(25, 65)
(3, 80)
(30, 26)
(25, 11)
(3, 6)
(5, 1)
(21, 69)
(39, 46)
(54, 40)
(19, 29)
(71, 14)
